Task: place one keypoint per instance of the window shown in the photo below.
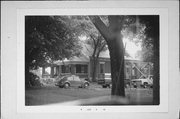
(81, 68)
(101, 68)
(65, 69)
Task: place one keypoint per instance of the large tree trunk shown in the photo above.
(117, 66)
(112, 35)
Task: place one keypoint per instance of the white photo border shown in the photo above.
(163, 21)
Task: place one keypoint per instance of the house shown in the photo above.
(82, 66)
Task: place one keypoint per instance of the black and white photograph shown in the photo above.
(92, 60)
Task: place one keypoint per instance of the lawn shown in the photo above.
(52, 95)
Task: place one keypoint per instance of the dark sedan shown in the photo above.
(72, 80)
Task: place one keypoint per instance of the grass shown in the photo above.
(50, 95)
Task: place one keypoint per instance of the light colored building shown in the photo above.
(82, 66)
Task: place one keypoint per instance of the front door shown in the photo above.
(102, 68)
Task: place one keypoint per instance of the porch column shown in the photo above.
(43, 72)
(52, 71)
(89, 68)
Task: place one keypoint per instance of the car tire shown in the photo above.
(104, 86)
(60, 86)
(86, 85)
(66, 85)
(108, 85)
(145, 85)
(135, 86)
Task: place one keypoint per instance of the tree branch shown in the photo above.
(94, 41)
(102, 28)
(95, 45)
(99, 51)
(102, 47)
(116, 23)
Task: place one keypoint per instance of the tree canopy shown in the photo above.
(47, 39)
(152, 33)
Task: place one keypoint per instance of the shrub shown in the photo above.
(32, 80)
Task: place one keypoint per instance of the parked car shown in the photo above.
(105, 80)
(72, 80)
(143, 82)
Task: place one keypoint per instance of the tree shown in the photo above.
(149, 38)
(146, 54)
(152, 40)
(98, 44)
(83, 27)
(113, 37)
(47, 39)
(148, 33)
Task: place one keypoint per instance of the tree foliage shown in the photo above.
(149, 38)
(83, 27)
(142, 31)
(48, 39)
(98, 45)
(152, 39)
